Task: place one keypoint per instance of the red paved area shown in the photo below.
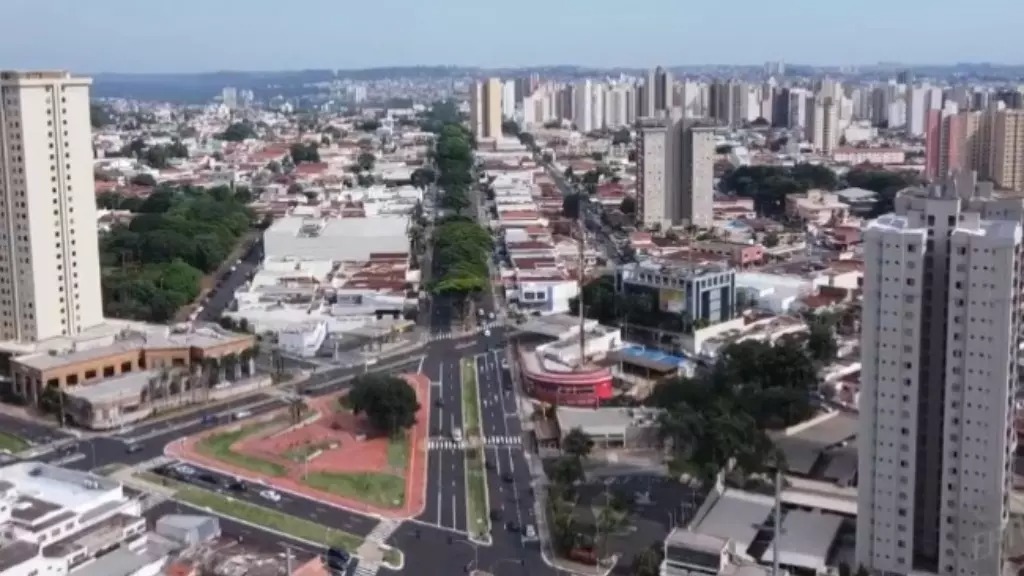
(350, 454)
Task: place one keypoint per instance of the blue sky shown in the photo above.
(195, 35)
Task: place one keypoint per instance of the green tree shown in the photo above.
(648, 562)
(577, 443)
(423, 177)
(622, 136)
(366, 161)
(821, 340)
(100, 116)
(389, 403)
(510, 128)
(628, 205)
(238, 132)
(371, 125)
(304, 153)
(143, 179)
(771, 240)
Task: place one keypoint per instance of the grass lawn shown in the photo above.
(398, 452)
(219, 446)
(301, 453)
(393, 557)
(12, 443)
(470, 399)
(376, 488)
(477, 514)
(269, 518)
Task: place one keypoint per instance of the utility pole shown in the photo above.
(580, 269)
(288, 559)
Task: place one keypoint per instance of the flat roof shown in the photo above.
(58, 486)
(806, 539)
(128, 385)
(605, 421)
(16, 553)
(803, 448)
(736, 516)
(151, 338)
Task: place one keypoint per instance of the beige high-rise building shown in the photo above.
(49, 258)
(485, 108)
(1007, 152)
(675, 173)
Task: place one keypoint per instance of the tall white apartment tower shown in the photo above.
(485, 108)
(939, 345)
(583, 109)
(49, 259)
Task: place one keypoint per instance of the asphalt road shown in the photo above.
(221, 296)
(30, 432)
(446, 469)
(351, 522)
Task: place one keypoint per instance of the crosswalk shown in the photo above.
(490, 441)
(379, 535)
(456, 335)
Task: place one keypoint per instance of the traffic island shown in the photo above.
(477, 509)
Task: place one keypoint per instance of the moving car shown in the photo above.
(487, 333)
(270, 495)
(133, 448)
(529, 533)
(457, 434)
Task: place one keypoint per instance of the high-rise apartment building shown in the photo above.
(1007, 150)
(675, 172)
(485, 108)
(939, 345)
(656, 93)
(49, 258)
(583, 109)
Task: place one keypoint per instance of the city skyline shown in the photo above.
(193, 37)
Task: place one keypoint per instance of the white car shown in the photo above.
(487, 333)
(270, 495)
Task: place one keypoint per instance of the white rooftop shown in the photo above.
(59, 486)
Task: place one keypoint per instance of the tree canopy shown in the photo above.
(304, 153)
(769, 185)
(461, 246)
(153, 265)
(723, 414)
(439, 115)
(100, 116)
(388, 402)
(237, 132)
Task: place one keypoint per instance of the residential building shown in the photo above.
(675, 172)
(1007, 152)
(939, 342)
(485, 108)
(56, 520)
(49, 257)
(583, 112)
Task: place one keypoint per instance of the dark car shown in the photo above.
(506, 477)
(511, 526)
(237, 486)
(495, 515)
(207, 477)
(489, 464)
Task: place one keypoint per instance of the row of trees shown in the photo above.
(461, 246)
(769, 185)
(153, 265)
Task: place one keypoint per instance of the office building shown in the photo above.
(675, 173)
(939, 345)
(49, 259)
(698, 294)
(485, 108)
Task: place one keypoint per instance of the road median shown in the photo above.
(477, 513)
(255, 514)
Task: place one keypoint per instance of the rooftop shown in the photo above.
(45, 484)
(806, 540)
(736, 516)
(804, 444)
(605, 421)
(128, 385)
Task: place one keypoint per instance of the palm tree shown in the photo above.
(212, 367)
(577, 443)
(243, 357)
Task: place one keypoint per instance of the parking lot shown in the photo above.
(659, 503)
